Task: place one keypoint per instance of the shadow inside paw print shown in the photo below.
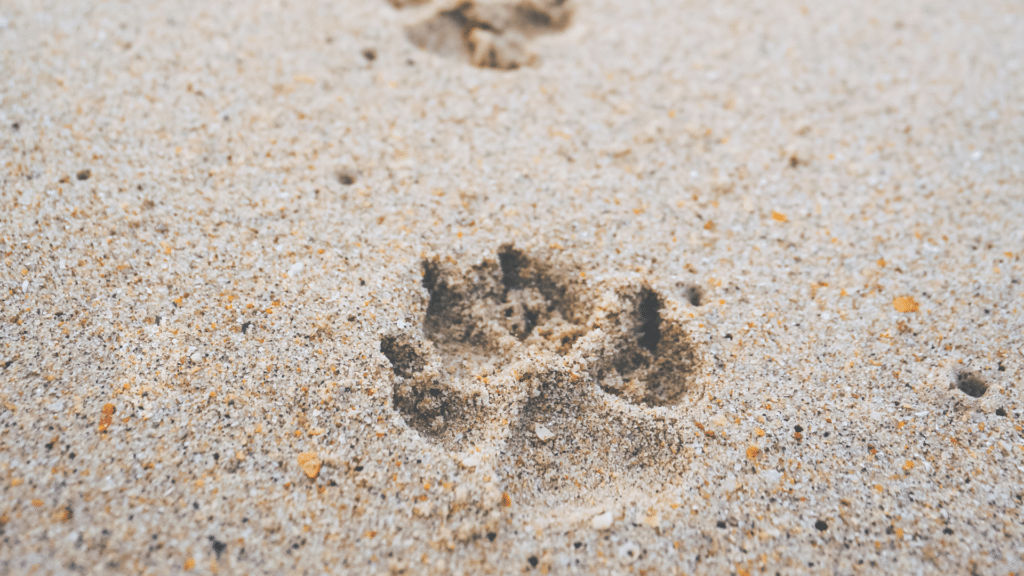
(557, 375)
(487, 33)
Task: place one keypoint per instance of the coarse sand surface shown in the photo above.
(482, 287)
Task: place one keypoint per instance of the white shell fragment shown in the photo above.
(603, 521)
(471, 460)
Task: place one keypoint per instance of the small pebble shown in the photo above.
(310, 464)
(603, 521)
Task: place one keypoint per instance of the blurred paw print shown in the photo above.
(486, 33)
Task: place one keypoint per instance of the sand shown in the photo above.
(601, 288)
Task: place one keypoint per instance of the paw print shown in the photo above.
(554, 377)
(486, 33)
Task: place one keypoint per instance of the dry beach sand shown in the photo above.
(659, 287)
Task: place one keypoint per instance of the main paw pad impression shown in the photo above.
(556, 373)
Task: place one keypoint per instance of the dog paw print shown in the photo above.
(486, 33)
(557, 376)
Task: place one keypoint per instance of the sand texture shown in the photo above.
(547, 287)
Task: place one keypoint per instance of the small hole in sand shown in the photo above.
(693, 295)
(346, 178)
(971, 384)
